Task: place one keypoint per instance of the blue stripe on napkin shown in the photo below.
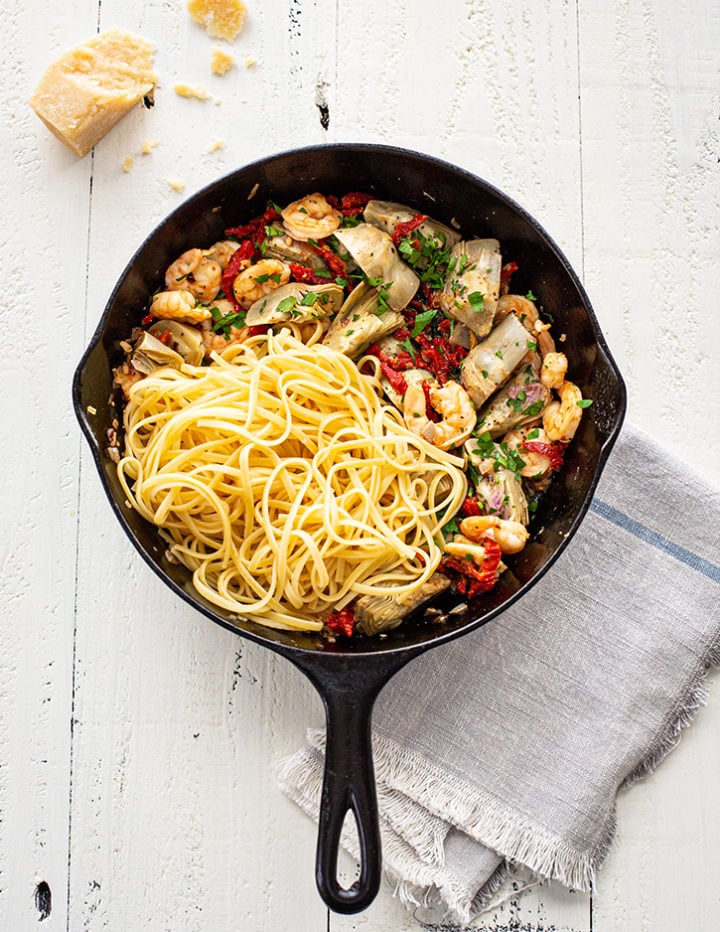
(699, 564)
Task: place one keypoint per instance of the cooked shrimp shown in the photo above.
(178, 305)
(462, 547)
(554, 370)
(222, 252)
(125, 377)
(510, 536)
(562, 418)
(452, 402)
(259, 280)
(218, 342)
(178, 271)
(528, 316)
(312, 217)
(536, 465)
(195, 272)
(205, 281)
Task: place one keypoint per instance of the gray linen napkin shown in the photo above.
(507, 747)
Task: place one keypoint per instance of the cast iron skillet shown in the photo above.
(350, 673)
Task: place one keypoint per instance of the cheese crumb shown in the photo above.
(148, 145)
(223, 19)
(91, 87)
(250, 62)
(128, 163)
(216, 145)
(221, 62)
(186, 90)
(177, 184)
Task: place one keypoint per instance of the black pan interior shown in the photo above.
(448, 194)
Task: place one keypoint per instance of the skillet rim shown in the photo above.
(379, 649)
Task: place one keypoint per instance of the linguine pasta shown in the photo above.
(282, 480)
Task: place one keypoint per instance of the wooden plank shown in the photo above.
(652, 217)
(45, 253)
(177, 822)
(491, 87)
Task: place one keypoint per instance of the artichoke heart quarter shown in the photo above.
(295, 302)
(375, 253)
(361, 321)
(472, 285)
(375, 613)
(388, 214)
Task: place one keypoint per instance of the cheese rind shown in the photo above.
(91, 87)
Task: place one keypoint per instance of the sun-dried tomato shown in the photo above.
(165, 337)
(554, 451)
(245, 251)
(392, 367)
(434, 359)
(395, 378)
(471, 579)
(301, 273)
(430, 412)
(342, 622)
(354, 199)
(353, 203)
(471, 507)
(147, 319)
(403, 229)
(254, 226)
(507, 272)
(334, 263)
(259, 330)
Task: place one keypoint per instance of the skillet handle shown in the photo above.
(348, 691)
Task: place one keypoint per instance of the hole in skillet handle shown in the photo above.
(348, 686)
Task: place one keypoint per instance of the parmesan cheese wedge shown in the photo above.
(90, 88)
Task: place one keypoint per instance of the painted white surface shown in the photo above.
(137, 739)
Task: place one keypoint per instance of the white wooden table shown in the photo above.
(138, 738)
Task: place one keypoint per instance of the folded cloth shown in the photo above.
(507, 747)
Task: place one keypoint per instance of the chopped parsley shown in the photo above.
(477, 301)
(421, 321)
(534, 408)
(429, 259)
(309, 299)
(383, 294)
(501, 453)
(287, 305)
(274, 231)
(584, 403)
(533, 434)
(530, 296)
(223, 322)
(450, 527)
(409, 347)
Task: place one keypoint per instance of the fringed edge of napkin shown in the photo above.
(418, 869)
(681, 716)
(521, 841)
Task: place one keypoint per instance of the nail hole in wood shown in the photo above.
(43, 900)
